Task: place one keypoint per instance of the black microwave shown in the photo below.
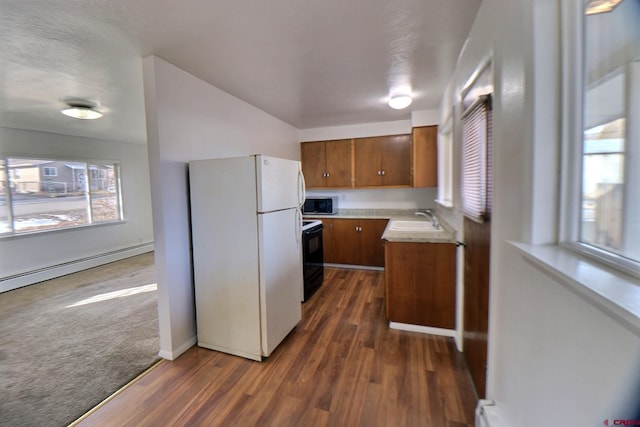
(320, 205)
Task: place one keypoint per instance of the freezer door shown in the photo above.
(280, 276)
(280, 184)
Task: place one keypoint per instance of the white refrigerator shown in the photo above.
(246, 236)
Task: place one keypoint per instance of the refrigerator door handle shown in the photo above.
(302, 188)
(298, 235)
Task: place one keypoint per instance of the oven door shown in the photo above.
(313, 260)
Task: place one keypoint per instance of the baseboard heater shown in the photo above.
(50, 272)
(487, 414)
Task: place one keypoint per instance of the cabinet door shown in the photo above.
(339, 163)
(395, 152)
(313, 159)
(383, 161)
(328, 241)
(346, 247)
(368, 167)
(371, 244)
(420, 283)
(425, 156)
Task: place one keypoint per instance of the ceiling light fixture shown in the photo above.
(83, 110)
(601, 6)
(398, 102)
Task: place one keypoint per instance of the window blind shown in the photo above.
(476, 160)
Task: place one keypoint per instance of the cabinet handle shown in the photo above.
(379, 173)
(327, 174)
(382, 173)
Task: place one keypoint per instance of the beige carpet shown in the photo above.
(69, 343)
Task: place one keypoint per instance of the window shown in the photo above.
(602, 188)
(603, 162)
(39, 194)
(476, 160)
(105, 202)
(445, 163)
(50, 171)
(5, 219)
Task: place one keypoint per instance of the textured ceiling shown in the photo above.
(309, 63)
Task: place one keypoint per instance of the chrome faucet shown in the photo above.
(428, 213)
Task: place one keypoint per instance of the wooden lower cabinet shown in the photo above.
(354, 241)
(371, 243)
(420, 283)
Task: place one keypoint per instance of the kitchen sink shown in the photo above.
(411, 226)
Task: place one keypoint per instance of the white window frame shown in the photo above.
(88, 195)
(572, 140)
(445, 162)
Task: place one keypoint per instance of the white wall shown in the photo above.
(31, 258)
(554, 358)
(396, 198)
(188, 119)
(363, 130)
(425, 118)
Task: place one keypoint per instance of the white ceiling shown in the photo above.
(310, 63)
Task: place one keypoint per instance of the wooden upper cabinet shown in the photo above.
(383, 161)
(339, 163)
(368, 162)
(327, 163)
(313, 155)
(425, 156)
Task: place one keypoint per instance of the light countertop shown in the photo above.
(446, 234)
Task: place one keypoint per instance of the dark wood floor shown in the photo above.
(342, 366)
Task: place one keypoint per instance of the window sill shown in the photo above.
(9, 236)
(444, 203)
(615, 293)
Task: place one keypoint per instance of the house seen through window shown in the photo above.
(45, 194)
(603, 185)
(607, 142)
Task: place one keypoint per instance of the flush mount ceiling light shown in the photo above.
(398, 102)
(601, 6)
(83, 110)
